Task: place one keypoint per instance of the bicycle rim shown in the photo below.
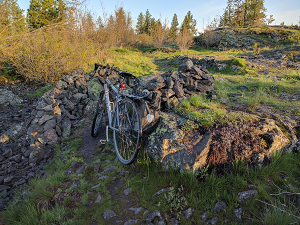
(99, 118)
(127, 139)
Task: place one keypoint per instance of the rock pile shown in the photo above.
(71, 98)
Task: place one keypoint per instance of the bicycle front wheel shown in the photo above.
(99, 118)
(128, 133)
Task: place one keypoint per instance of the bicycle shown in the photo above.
(123, 119)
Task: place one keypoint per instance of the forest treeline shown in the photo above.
(57, 36)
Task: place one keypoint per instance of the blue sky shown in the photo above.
(287, 11)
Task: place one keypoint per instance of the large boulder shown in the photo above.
(166, 145)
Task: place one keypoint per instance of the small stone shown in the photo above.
(130, 222)
(136, 210)
(203, 217)
(234, 94)
(212, 221)
(116, 160)
(152, 215)
(45, 118)
(251, 186)
(50, 124)
(188, 213)
(108, 214)
(102, 177)
(246, 195)
(81, 169)
(127, 191)
(7, 153)
(96, 167)
(98, 200)
(244, 88)
(145, 213)
(51, 135)
(173, 221)
(161, 191)
(219, 207)
(11, 180)
(96, 186)
(238, 213)
(58, 130)
(110, 169)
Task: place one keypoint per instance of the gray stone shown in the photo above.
(11, 180)
(219, 207)
(188, 213)
(8, 97)
(136, 210)
(238, 213)
(96, 186)
(8, 153)
(185, 66)
(212, 221)
(94, 88)
(96, 167)
(234, 94)
(152, 215)
(173, 221)
(45, 118)
(108, 214)
(72, 166)
(203, 217)
(98, 200)
(127, 191)
(102, 177)
(66, 126)
(16, 132)
(223, 100)
(246, 195)
(130, 222)
(81, 169)
(109, 169)
(50, 124)
(244, 88)
(161, 191)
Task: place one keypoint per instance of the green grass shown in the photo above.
(39, 92)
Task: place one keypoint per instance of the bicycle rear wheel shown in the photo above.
(99, 121)
(127, 137)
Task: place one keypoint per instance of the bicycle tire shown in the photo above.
(99, 116)
(127, 140)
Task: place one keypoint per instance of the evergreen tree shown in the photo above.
(12, 20)
(44, 12)
(140, 23)
(174, 28)
(189, 24)
(147, 24)
(243, 12)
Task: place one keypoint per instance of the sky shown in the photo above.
(287, 11)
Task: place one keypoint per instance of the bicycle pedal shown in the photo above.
(102, 142)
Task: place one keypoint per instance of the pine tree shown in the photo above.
(140, 23)
(174, 28)
(189, 24)
(44, 12)
(12, 20)
(147, 24)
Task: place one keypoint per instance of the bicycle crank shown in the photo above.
(102, 142)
